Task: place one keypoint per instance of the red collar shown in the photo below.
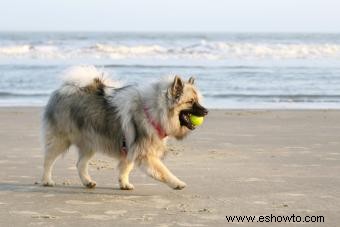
(156, 125)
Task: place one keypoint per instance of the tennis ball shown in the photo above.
(196, 120)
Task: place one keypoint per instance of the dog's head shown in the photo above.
(184, 99)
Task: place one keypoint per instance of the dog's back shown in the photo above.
(78, 107)
(74, 109)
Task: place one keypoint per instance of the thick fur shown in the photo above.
(95, 114)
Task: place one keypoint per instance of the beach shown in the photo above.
(239, 162)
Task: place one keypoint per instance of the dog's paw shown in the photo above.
(91, 184)
(126, 186)
(49, 183)
(180, 185)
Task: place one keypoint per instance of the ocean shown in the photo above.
(232, 70)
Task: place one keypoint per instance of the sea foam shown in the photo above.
(202, 50)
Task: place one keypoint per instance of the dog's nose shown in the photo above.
(205, 111)
(200, 109)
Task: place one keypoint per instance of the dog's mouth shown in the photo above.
(197, 110)
(184, 118)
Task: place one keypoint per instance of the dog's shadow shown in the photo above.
(70, 190)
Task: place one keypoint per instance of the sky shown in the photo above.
(171, 15)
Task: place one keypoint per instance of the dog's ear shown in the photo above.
(191, 80)
(177, 88)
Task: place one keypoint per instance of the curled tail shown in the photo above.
(87, 78)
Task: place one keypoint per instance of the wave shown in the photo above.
(22, 94)
(201, 50)
(220, 50)
(279, 97)
(131, 50)
(281, 50)
(294, 98)
(15, 50)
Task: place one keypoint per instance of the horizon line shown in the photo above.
(169, 32)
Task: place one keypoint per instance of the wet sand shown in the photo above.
(237, 163)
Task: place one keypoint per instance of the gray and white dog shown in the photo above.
(126, 122)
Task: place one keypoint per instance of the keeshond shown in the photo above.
(129, 123)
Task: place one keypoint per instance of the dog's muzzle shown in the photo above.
(184, 115)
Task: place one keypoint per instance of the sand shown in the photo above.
(237, 163)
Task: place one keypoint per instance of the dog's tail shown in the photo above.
(88, 78)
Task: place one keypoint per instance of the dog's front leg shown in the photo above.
(156, 169)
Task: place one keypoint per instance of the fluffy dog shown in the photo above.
(127, 122)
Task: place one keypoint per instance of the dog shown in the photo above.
(130, 123)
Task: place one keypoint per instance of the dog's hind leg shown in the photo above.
(125, 168)
(53, 148)
(83, 160)
(156, 169)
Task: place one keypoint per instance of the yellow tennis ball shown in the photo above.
(196, 120)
